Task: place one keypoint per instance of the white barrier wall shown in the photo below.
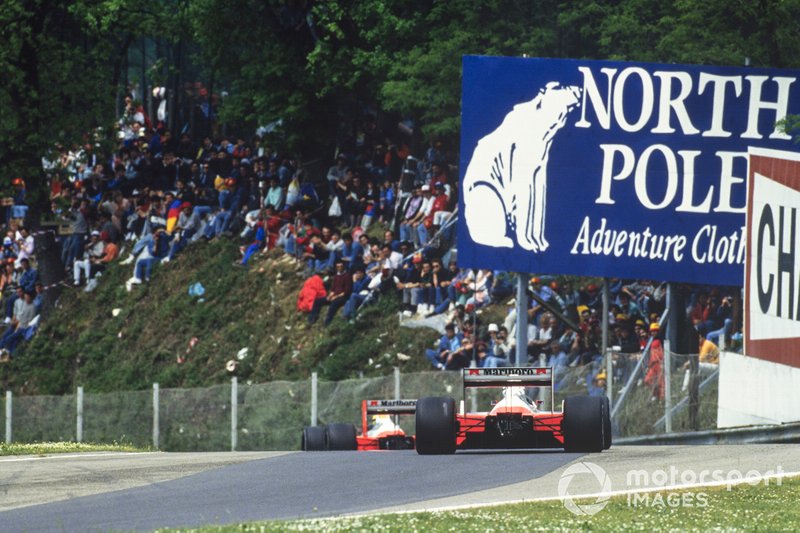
(754, 391)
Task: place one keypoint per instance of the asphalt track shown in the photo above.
(125, 492)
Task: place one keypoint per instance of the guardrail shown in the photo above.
(764, 434)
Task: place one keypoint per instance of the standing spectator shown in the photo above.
(708, 359)
(336, 173)
(411, 210)
(79, 227)
(654, 377)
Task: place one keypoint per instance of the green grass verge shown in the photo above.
(111, 340)
(46, 448)
(743, 508)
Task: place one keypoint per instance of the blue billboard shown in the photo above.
(602, 168)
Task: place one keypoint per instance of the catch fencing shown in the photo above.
(269, 416)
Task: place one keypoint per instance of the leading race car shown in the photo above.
(583, 424)
(383, 434)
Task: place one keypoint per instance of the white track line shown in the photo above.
(70, 456)
(625, 492)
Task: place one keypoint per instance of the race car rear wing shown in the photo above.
(509, 377)
(386, 407)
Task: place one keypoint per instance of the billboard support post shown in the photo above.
(604, 341)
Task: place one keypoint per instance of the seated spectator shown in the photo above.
(428, 224)
(151, 250)
(92, 250)
(448, 344)
(110, 253)
(9, 280)
(479, 285)
(341, 288)
(335, 245)
(316, 255)
(425, 290)
(24, 313)
(256, 245)
(407, 286)
(462, 357)
(25, 244)
(598, 384)
(275, 195)
(188, 225)
(360, 293)
(493, 355)
(545, 333)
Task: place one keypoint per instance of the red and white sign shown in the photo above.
(772, 266)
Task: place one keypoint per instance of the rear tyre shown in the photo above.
(583, 424)
(313, 439)
(436, 426)
(606, 423)
(341, 437)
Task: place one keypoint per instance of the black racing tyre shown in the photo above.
(313, 439)
(583, 424)
(341, 437)
(436, 426)
(606, 423)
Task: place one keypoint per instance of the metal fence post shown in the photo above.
(610, 376)
(234, 411)
(9, 398)
(672, 324)
(79, 421)
(314, 404)
(397, 383)
(155, 416)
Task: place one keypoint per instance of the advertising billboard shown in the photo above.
(772, 284)
(602, 168)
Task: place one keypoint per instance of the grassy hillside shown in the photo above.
(111, 339)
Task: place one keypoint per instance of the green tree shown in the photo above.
(62, 64)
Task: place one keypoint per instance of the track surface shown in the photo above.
(146, 491)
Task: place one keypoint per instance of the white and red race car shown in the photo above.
(582, 425)
(383, 434)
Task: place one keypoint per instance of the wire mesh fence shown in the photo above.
(270, 416)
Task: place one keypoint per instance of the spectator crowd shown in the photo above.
(378, 221)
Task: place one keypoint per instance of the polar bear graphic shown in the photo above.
(506, 180)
